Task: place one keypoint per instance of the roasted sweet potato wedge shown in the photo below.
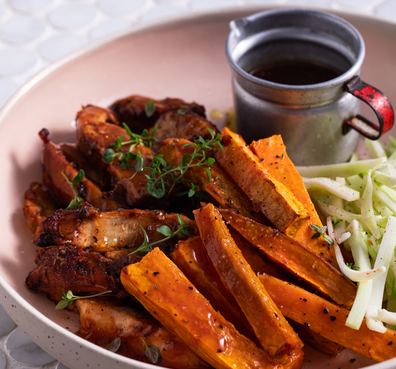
(267, 194)
(329, 319)
(271, 328)
(295, 257)
(309, 337)
(190, 257)
(102, 321)
(273, 157)
(175, 302)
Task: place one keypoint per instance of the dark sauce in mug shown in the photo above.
(295, 72)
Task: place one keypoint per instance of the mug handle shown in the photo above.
(378, 102)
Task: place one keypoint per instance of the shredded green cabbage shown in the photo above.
(359, 199)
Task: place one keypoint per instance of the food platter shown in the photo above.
(181, 57)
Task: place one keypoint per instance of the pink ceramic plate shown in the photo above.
(178, 58)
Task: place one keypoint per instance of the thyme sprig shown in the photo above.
(115, 150)
(182, 228)
(76, 202)
(114, 345)
(68, 298)
(151, 352)
(161, 171)
(321, 232)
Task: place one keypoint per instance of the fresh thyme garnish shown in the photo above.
(151, 352)
(77, 201)
(114, 345)
(115, 150)
(161, 171)
(68, 298)
(321, 232)
(352, 266)
(149, 108)
(182, 228)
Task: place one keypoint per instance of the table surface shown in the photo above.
(35, 33)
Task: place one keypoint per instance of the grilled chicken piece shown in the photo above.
(96, 130)
(102, 321)
(56, 167)
(95, 135)
(37, 207)
(182, 124)
(222, 188)
(131, 110)
(75, 156)
(71, 268)
(107, 231)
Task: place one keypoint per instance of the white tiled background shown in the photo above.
(34, 33)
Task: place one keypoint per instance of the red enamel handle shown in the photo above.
(378, 102)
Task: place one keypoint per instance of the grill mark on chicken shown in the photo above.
(71, 268)
(187, 125)
(131, 110)
(107, 231)
(102, 320)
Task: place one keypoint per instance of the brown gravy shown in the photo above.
(295, 72)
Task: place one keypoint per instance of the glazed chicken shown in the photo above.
(184, 228)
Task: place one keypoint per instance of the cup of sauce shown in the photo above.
(295, 72)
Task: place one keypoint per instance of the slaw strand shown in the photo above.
(375, 148)
(364, 290)
(353, 275)
(340, 170)
(384, 257)
(367, 210)
(331, 186)
(339, 213)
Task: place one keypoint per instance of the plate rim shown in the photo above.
(172, 21)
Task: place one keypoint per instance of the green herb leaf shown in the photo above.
(114, 345)
(109, 155)
(164, 230)
(151, 352)
(68, 298)
(145, 246)
(149, 108)
(79, 177)
(181, 111)
(321, 232)
(77, 200)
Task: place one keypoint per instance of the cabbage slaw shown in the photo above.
(358, 200)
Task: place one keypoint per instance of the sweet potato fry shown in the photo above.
(329, 320)
(172, 299)
(273, 156)
(267, 194)
(191, 259)
(294, 257)
(314, 339)
(102, 321)
(271, 328)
